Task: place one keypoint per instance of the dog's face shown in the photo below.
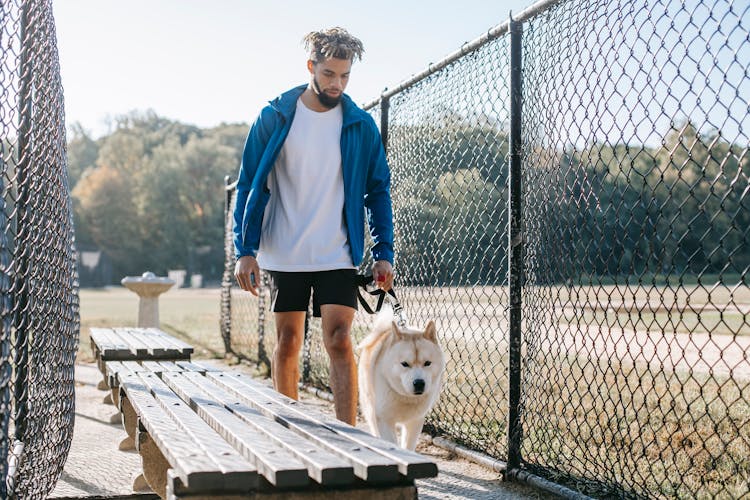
(414, 360)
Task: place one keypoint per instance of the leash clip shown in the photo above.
(398, 311)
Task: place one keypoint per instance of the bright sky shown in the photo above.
(205, 62)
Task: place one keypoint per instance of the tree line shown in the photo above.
(150, 196)
(590, 214)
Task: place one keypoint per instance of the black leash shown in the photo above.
(364, 280)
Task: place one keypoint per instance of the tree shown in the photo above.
(152, 197)
(82, 153)
(104, 202)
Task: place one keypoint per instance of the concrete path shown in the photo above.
(97, 469)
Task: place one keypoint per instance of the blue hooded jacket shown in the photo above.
(366, 175)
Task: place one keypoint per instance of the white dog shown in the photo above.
(400, 376)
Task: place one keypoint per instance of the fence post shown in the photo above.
(226, 282)
(385, 106)
(515, 254)
(262, 354)
(307, 345)
(22, 279)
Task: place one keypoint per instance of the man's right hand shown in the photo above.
(247, 273)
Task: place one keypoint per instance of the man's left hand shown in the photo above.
(382, 273)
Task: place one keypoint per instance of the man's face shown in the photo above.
(329, 79)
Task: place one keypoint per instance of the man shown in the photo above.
(313, 164)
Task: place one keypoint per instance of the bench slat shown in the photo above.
(159, 367)
(127, 343)
(112, 368)
(137, 346)
(162, 346)
(235, 469)
(368, 465)
(108, 345)
(277, 465)
(155, 345)
(138, 349)
(133, 366)
(410, 464)
(116, 369)
(192, 366)
(171, 341)
(195, 467)
(323, 466)
(170, 366)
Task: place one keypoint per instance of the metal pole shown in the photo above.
(228, 189)
(307, 345)
(385, 106)
(23, 245)
(262, 355)
(515, 255)
(226, 285)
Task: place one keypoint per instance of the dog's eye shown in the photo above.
(427, 363)
(405, 364)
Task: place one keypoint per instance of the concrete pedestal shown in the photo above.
(148, 287)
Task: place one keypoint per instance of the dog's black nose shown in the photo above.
(418, 386)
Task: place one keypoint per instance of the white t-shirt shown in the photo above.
(303, 225)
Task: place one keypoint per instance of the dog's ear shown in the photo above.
(430, 332)
(397, 333)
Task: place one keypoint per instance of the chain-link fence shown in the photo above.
(38, 277)
(572, 208)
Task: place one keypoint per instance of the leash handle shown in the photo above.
(398, 310)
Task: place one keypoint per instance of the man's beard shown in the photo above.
(326, 100)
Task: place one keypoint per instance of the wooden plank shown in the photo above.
(170, 366)
(368, 465)
(323, 466)
(155, 348)
(412, 465)
(128, 367)
(192, 366)
(154, 345)
(171, 347)
(277, 465)
(197, 469)
(155, 366)
(112, 367)
(136, 345)
(233, 466)
(109, 345)
(164, 345)
(172, 341)
(134, 366)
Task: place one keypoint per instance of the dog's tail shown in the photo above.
(380, 327)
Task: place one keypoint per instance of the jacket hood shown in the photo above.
(286, 104)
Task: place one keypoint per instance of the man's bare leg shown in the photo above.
(337, 326)
(290, 328)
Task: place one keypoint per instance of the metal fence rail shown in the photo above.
(572, 207)
(38, 277)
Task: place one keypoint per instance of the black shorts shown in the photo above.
(290, 291)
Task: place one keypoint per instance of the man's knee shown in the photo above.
(338, 342)
(288, 343)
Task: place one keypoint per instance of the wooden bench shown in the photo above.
(222, 435)
(115, 369)
(135, 344)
